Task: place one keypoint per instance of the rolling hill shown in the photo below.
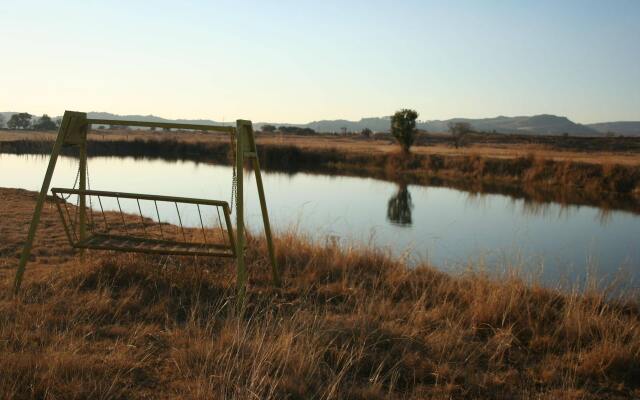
(536, 125)
(627, 128)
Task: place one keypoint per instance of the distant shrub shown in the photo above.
(268, 128)
(459, 131)
(296, 130)
(45, 123)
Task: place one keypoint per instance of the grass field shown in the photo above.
(347, 324)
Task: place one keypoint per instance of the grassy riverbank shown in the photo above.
(348, 324)
(532, 172)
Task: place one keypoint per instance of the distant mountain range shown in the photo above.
(627, 128)
(544, 124)
(536, 125)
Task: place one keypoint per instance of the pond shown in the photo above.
(447, 228)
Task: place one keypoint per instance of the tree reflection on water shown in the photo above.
(400, 206)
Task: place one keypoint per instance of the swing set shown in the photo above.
(89, 226)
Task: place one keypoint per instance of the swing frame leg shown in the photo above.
(83, 198)
(246, 147)
(72, 123)
(275, 269)
(241, 270)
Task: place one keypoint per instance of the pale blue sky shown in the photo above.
(297, 61)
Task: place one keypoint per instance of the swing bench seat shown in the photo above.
(117, 231)
(153, 246)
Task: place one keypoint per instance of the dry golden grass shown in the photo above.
(347, 324)
(358, 146)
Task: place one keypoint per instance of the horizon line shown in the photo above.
(334, 119)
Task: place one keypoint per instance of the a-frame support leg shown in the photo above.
(70, 121)
(82, 203)
(241, 269)
(275, 270)
(246, 146)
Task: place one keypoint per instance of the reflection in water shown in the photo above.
(604, 216)
(536, 208)
(400, 206)
(500, 231)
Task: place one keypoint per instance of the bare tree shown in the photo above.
(459, 131)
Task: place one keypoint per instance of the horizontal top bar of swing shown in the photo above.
(138, 196)
(149, 124)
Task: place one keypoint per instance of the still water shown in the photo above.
(448, 228)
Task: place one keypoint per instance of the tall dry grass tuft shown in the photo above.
(348, 324)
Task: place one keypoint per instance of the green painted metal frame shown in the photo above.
(73, 131)
(170, 125)
(140, 196)
(89, 243)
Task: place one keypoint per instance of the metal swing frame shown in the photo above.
(73, 131)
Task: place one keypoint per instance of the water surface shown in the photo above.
(445, 227)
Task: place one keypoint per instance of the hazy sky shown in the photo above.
(298, 61)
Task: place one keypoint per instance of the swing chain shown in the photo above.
(90, 198)
(75, 183)
(234, 179)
